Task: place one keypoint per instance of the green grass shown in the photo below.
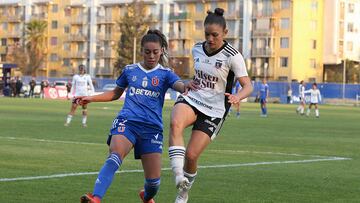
(34, 142)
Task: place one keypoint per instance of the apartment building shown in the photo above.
(342, 36)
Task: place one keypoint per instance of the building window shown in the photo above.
(231, 7)
(351, 7)
(213, 5)
(66, 29)
(283, 78)
(66, 62)
(54, 41)
(285, 4)
(55, 8)
(5, 26)
(54, 57)
(54, 24)
(284, 62)
(313, 25)
(199, 7)
(312, 80)
(314, 5)
(66, 46)
(285, 23)
(3, 42)
(313, 44)
(350, 27)
(198, 25)
(3, 57)
(284, 42)
(312, 63)
(349, 46)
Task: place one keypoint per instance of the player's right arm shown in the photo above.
(104, 97)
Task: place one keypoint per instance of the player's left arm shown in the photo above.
(104, 97)
(92, 89)
(319, 95)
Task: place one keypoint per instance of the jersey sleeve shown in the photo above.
(122, 79)
(172, 78)
(237, 65)
(92, 89)
(73, 83)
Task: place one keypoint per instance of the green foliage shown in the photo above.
(133, 24)
(35, 45)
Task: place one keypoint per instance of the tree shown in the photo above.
(17, 54)
(35, 45)
(133, 24)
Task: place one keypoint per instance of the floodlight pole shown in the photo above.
(344, 80)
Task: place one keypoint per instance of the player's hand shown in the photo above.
(232, 98)
(191, 85)
(81, 100)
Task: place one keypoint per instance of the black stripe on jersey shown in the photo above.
(215, 52)
(231, 52)
(232, 48)
(228, 89)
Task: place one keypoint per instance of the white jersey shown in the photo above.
(301, 91)
(315, 95)
(81, 84)
(215, 73)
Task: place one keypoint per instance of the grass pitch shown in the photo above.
(282, 158)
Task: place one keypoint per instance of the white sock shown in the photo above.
(308, 112)
(68, 119)
(301, 110)
(298, 108)
(317, 112)
(84, 118)
(177, 156)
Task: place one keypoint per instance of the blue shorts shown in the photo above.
(145, 138)
(262, 101)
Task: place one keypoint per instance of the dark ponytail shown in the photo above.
(159, 37)
(216, 17)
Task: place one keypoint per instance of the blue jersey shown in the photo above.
(264, 89)
(145, 93)
(237, 87)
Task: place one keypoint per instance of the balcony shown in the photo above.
(105, 20)
(78, 20)
(78, 3)
(183, 16)
(180, 53)
(232, 15)
(106, 37)
(14, 18)
(179, 36)
(262, 52)
(76, 55)
(3, 49)
(77, 38)
(10, 2)
(39, 16)
(42, 1)
(105, 54)
(262, 33)
(13, 34)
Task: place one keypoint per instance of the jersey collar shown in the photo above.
(215, 52)
(148, 71)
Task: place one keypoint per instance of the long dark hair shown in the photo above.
(159, 37)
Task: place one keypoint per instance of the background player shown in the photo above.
(81, 85)
(216, 65)
(301, 107)
(263, 95)
(315, 98)
(139, 123)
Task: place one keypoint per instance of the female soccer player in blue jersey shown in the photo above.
(139, 123)
(216, 65)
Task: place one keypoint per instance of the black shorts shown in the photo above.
(204, 123)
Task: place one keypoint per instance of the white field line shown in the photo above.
(168, 169)
(318, 159)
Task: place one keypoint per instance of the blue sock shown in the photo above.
(262, 110)
(265, 111)
(106, 174)
(151, 187)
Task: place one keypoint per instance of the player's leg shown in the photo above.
(70, 114)
(181, 117)
(84, 115)
(317, 111)
(197, 143)
(237, 110)
(302, 106)
(152, 170)
(120, 146)
(309, 109)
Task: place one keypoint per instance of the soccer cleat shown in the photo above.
(182, 182)
(88, 198)
(66, 124)
(142, 194)
(84, 125)
(238, 115)
(182, 196)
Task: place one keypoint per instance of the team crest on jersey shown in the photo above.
(134, 78)
(155, 81)
(144, 82)
(218, 64)
(121, 129)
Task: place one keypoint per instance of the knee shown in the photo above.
(175, 125)
(191, 156)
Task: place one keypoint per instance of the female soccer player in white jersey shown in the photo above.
(139, 123)
(81, 86)
(301, 107)
(216, 65)
(315, 98)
